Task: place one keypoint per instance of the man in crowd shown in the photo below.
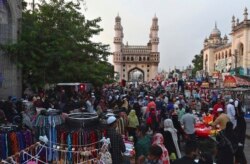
(231, 113)
(191, 152)
(188, 120)
(216, 107)
(117, 144)
(221, 120)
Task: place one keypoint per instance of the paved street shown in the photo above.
(247, 144)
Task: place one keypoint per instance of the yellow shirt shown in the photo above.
(221, 120)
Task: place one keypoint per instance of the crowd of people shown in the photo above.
(161, 122)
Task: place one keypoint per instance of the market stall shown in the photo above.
(235, 81)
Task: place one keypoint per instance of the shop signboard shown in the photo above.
(229, 81)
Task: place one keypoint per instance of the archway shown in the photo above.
(136, 75)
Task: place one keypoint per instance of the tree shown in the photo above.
(198, 63)
(55, 46)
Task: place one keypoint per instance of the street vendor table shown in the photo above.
(129, 154)
(202, 130)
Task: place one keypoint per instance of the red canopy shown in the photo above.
(234, 81)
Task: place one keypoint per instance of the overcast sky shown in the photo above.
(183, 24)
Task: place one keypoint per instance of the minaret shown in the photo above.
(245, 14)
(154, 39)
(118, 34)
(233, 22)
(117, 55)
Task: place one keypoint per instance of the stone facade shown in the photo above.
(223, 56)
(10, 75)
(130, 58)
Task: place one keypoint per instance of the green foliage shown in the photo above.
(198, 63)
(55, 46)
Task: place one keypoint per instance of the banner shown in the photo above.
(229, 81)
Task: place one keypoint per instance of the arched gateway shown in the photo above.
(135, 62)
(136, 74)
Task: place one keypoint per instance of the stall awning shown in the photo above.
(234, 81)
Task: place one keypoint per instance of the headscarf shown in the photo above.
(159, 140)
(132, 119)
(168, 126)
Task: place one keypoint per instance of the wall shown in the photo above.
(10, 75)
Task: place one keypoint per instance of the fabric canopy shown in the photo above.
(234, 81)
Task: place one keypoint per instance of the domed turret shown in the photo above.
(155, 18)
(225, 39)
(118, 18)
(216, 32)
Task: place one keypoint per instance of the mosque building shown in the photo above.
(220, 55)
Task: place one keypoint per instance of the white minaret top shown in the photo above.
(154, 34)
(118, 33)
(233, 21)
(245, 14)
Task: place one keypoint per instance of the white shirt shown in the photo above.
(230, 111)
(188, 120)
(236, 103)
(231, 114)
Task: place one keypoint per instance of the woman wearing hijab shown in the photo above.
(133, 122)
(178, 127)
(152, 121)
(227, 144)
(159, 140)
(240, 132)
(171, 139)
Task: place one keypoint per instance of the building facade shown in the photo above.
(220, 55)
(10, 75)
(128, 59)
